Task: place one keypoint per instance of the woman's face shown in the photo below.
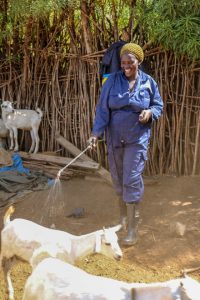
(129, 65)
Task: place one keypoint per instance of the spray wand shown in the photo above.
(73, 160)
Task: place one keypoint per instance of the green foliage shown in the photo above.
(20, 11)
(38, 8)
(173, 24)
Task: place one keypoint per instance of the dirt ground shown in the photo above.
(160, 254)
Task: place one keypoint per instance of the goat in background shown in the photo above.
(25, 119)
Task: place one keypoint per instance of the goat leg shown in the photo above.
(6, 266)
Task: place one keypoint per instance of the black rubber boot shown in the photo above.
(123, 213)
(133, 220)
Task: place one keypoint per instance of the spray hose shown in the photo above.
(73, 160)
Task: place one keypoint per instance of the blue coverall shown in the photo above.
(117, 113)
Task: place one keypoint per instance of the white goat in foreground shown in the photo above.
(20, 237)
(25, 119)
(53, 279)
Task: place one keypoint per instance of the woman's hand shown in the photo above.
(92, 141)
(145, 116)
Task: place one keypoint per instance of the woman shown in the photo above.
(129, 102)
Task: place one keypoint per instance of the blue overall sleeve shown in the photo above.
(156, 103)
(102, 117)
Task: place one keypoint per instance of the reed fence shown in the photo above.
(66, 87)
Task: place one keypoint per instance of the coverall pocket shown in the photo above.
(145, 97)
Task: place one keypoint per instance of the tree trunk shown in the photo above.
(86, 26)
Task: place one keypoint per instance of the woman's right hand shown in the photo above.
(92, 141)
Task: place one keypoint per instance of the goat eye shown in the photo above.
(107, 243)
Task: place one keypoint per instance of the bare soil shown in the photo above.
(161, 252)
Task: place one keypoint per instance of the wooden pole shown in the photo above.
(90, 165)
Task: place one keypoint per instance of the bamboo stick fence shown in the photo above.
(66, 88)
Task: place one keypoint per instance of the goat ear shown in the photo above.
(117, 227)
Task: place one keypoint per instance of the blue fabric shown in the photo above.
(111, 59)
(17, 165)
(117, 113)
(126, 166)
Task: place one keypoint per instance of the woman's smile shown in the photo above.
(127, 72)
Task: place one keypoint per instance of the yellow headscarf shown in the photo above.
(133, 49)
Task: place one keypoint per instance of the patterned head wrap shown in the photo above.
(133, 49)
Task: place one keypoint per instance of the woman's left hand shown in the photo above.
(145, 116)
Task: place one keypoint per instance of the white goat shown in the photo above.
(54, 279)
(25, 119)
(20, 237)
